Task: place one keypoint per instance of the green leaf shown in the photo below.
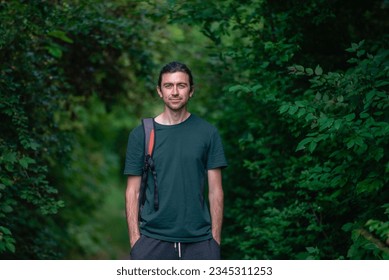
(360, 44)
(60, 35)
(318, 70)
(6, 182)
(360, 53)
(312, 250)
(348, 227)
(349, 117)
(239, 88)
(265, 64)
(55, 51)
(350, 143)
(299, 68)
(293, 109)
(6, 209)
(301, 112)
(5, 230)
(309, 71)
(301, 103)
(353, 60)
(256, 88)
(9, 157)
(303, 143)
(325, 123)
(10, 246)
(312, 146)
(378, 154)
(310, 117)
(337, 124)
(381, 83)
(34, 145)
(284, 108)
(25, 161)
(358, 141)
(369, 185)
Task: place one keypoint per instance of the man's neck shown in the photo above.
(169, 117)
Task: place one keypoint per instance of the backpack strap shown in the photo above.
(149, 130)
(148, 126)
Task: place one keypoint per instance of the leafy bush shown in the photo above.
(345, 123)
(307, 151)
(56, 58)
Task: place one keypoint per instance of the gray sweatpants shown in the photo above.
(147, 248)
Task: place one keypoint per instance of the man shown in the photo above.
(187, 153)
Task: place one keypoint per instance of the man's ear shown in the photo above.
(191, 92)
(159, 91)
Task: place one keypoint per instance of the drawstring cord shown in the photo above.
(179, 249)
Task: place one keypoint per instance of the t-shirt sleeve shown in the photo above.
(216, 157)
(135, 153)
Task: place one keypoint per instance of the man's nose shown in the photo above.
(175, 91)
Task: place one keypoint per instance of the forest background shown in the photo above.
(298, 90)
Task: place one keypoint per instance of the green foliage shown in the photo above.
(56, 58)
(346, 123)
(304, 122)
(307, 149)
(25, 188)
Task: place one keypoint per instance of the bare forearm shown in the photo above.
(132, 194)
(216, 201)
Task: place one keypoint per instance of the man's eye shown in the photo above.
(181, 86)
(168, 86)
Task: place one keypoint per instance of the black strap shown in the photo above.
(148, 127)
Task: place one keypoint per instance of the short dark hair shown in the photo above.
(173, 67)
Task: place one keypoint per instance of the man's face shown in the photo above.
(175, 90)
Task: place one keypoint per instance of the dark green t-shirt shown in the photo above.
(183, 153)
